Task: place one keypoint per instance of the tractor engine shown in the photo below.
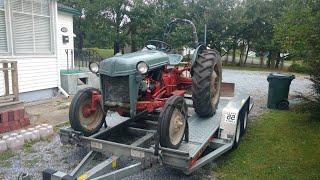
(150, 85)
(159, 83)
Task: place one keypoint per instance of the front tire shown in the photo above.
(173, 122)
(206, 83)
(89, 123)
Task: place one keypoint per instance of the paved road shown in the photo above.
(52, 154)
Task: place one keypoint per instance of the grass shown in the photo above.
(104, 53)
(32, 162)
(248, 68)
(279, 145)
(27, 147)
(63, 124)
(4, 157)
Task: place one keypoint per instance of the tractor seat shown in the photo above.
(175, 59)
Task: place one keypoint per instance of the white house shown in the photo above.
(36, 33)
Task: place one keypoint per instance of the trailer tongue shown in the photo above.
(206, 139)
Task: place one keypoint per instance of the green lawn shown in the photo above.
(278, 145)
(104, 53)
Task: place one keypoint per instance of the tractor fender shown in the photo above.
(196, 52)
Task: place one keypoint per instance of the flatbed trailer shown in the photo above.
(205, 140)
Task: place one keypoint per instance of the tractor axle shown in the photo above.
(91, 108)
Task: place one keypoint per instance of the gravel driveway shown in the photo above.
(255, 84)
(52, 154)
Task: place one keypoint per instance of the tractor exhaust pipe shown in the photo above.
(205, 35)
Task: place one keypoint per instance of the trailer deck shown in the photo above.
(137, 138)
(201, 129)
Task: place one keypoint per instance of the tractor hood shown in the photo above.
(126, 64)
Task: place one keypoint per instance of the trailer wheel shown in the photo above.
(173, 122)
(237, 137)
(283, 105)
(244, 122)
(86, 122)
(206, 83)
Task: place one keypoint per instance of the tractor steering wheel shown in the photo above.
(160, 45)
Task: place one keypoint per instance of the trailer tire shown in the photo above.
(237, 135)
(244, 122)
(173, 114)
(76, 117)
(206, 83)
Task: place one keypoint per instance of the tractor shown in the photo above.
(152, 80)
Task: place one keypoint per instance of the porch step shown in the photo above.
(4, 99)
(10, 105)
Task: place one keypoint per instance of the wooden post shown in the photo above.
(15, 85)
(6, 79)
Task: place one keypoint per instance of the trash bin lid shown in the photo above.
(278, 75)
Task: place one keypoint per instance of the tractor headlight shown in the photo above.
(142, 67)
(94, 67)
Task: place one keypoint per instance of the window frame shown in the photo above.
(7, 28)
(52, 35)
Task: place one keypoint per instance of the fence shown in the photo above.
(82, 58)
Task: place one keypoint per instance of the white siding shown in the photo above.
(35, 73)
(64, 20)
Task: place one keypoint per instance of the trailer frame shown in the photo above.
(207, 139)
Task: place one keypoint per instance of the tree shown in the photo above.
(115, 13)
(261, 17)
(298, 32)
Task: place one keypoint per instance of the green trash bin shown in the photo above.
(279, 85)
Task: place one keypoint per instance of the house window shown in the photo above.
(3, 29)
(31, 27)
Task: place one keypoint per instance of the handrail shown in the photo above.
(14, 79)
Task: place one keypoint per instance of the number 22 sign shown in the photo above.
(231, 118)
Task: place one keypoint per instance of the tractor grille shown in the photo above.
(116, 89)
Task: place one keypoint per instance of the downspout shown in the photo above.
(56, 45)
(63, 91)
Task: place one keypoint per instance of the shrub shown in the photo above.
(312, 103)
(315, 78)
(300, 68)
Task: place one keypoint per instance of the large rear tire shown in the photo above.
(90, 123)
(173, 122)
(206, 83)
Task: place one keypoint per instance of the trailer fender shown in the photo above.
(228, 123)
(230, 117)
